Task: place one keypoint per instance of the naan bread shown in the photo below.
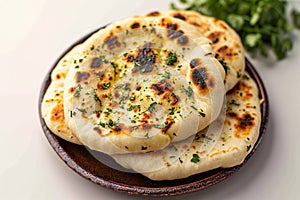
(53, 103)
(239, 134)
(141, 84)
(225, 41)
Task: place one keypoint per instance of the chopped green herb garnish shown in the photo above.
(144, 148)
(223, 139)
(111, 124)
(77, 93)
(172, 58)
(201, 113)
(81, 110)
(114, 64)
(105, 85)
(72, 113)
(96, 98)
(194, 108)
(195, 158)
(132, 98)
(180, 160)
(132, 107)
(103, 59)
(248, 147)
(188, 91)
(166, 75)
(119, 86)
(92, 47)
(172, 111)
(206, 137)
(152, 107)
(238, 74)
(158, 126)
(102, 124)
(233, 102)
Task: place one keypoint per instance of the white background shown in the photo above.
(33, 33)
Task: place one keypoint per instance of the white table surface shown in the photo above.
(33, 33)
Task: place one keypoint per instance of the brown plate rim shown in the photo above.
(220, 175)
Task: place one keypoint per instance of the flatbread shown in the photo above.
(239, 134)
(53, 105)
(225, 41)
(143, 83)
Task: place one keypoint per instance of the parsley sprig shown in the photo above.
(262, 24)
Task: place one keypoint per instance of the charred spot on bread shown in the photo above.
(153, 14)
(58, 113)
(112, 42)
(161, 87)
(97, 130)
(82, 76)
(135, 25)
(214, 37)
(179, 16)
(183, 40)
(96, 63)
(195, 62)
(145, 59)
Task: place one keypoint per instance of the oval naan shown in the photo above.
(239, 135)
(143, 83)
(53, 103)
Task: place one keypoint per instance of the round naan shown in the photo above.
(142, 83)
(53, 102)
(239, 134)
(225, 41)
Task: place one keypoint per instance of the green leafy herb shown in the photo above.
(188, 91)
(105, 85)
(201, 113)
(96, 98)
(158, 126)
(262, 24)
(81, 110)
(172, 58)
(233, 102)
(152, 107)
(102, 124)
(172, 110)
(195, 158)
(72, 113)
(248, 147)
(132, 107)
(206, 137)
(166, 75)
(77, 93)
(103, 59)
(296, 18)
(132, 98)
(111, 123)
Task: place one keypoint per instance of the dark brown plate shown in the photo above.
(85, 162)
